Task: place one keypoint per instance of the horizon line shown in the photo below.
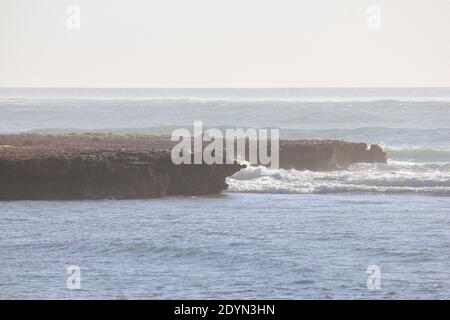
(225, 87)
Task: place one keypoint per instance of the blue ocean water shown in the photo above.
(229, 246)
(274, 233)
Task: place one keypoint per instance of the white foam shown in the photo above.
(394, 177)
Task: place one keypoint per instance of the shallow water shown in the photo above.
(229, 246)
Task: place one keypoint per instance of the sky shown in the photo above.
(224, 43)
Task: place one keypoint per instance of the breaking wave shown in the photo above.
(394, 177)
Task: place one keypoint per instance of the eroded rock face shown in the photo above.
(118, 175)
(326, 155)
(323, 155)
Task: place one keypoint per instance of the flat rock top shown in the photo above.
(34, 145)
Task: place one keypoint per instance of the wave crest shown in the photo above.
(394, 177)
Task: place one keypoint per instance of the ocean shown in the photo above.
(274, 233)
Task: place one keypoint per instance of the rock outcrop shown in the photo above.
(326, 155)
(121, 175)
(101, 166)
(318, 155)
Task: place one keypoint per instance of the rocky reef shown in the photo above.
(102, 166)
(320, 155)
(327, 155)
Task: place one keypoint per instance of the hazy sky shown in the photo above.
(224, 43)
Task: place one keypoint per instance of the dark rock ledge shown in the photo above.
(72, 167)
